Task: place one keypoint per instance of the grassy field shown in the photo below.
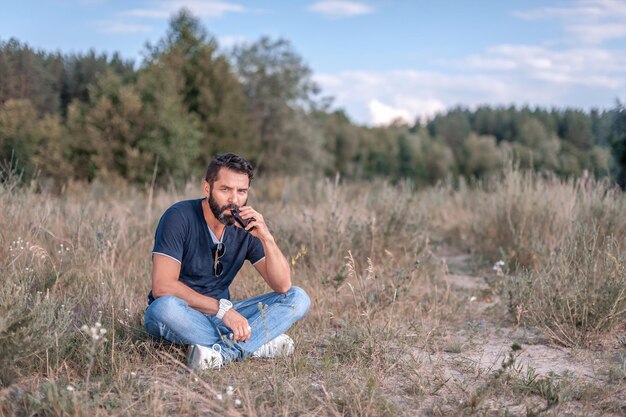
(504, 298)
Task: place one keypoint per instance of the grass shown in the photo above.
(386, 334)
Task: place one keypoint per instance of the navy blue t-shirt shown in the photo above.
(183, 235)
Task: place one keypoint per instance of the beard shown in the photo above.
(219, 211)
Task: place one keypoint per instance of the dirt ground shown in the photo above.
(471, 355)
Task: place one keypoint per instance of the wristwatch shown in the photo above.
(225, 305)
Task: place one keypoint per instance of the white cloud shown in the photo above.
(338, 8)
(592, 66)
(578, 70)
(580, 10)
(198, 7)
(375, 97)
(383, 114)
(598, 33)
(122, 28)
(587, 21)
(228, 41)
(423, 109)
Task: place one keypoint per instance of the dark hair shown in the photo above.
(231, 161)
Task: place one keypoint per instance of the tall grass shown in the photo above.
(564, 242)
(365, 254)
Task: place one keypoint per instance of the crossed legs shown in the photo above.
(269, 315)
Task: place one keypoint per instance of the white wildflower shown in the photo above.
(237, 402)
(230, 390)
(497, 267)
(70, 388)
(97, 332)
(133, 374)
(219, 397)
(473, 298)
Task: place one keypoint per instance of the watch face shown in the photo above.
(225, 303)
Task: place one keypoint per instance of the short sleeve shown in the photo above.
(169, 238)
(255, 250)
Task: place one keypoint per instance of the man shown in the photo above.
(198, 249)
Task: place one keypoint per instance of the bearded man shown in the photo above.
(199, 247)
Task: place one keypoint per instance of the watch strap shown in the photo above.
(222, 310)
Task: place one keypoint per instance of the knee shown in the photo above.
(165, 309)
(300, 300)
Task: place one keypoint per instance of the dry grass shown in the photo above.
(387, 333)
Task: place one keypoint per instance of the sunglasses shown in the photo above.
(218, 267)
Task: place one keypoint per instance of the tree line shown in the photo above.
(86, 116)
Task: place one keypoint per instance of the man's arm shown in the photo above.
(274, 268)
(165, 273)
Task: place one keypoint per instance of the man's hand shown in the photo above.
(238, 324)
(260, 228)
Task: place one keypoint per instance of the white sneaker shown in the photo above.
(202, 357)
(282, 345)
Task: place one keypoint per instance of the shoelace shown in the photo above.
(217, 348)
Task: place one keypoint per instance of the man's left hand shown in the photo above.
(256, 227)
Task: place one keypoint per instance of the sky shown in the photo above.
(381, 60)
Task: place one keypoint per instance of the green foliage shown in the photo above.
(618, 142)
(92, 116)
(453, 127)
(38, 146)
(280, 92)
(437, 161)
(17, 134)
(32, 319)
(579, 292)
(479, 156)
(207, 85)
(26, 74)
(575, 128)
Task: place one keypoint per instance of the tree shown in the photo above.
(114, 127)
(18, 135)
(453, 128)
(575, 128)
(543, 145)
(82, 71)
(618, 142)
(37, 146)
(208, 87)
(435, 161)
(341, 143)
(28, 74)
(279, 88)
(481, 156)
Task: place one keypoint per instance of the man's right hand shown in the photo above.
(238, 324)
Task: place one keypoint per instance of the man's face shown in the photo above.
(229, 191)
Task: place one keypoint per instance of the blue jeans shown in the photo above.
(269, 315)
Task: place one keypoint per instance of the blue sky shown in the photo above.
(380, 59)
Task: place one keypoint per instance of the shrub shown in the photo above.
(32, 321)
(579, 293)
